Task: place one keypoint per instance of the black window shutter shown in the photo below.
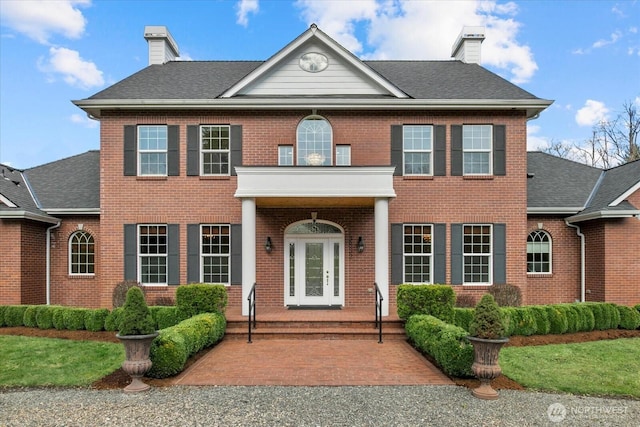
(130, 151)
(193, 151)
(456, 150)
(173, 254)
(397, 262)
(439, 253)
(499, 150)
(130, 252)
(457, 262)
(173, 150)
(440, 151)
(193, 253)
(499, 254)
(236, 254)
(236, 148)
(396, 149)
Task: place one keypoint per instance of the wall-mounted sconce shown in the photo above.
(314, 216)
(360, 244)
(267, 245)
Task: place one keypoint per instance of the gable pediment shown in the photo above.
(344, 75)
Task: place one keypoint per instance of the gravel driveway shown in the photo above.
(309, 406)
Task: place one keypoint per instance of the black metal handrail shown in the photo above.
(378, 323)
(251, 299)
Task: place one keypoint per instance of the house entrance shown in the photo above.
(314, 264)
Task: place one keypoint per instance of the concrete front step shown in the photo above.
(315, 330)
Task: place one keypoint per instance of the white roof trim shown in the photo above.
(313, 32)
(310, 181)
(21, 214)
(624, 196)
(73, 211)
(7, 202)
(603, 214)
(554, 210)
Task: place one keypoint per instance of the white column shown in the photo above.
(248, 250)
(381, 230)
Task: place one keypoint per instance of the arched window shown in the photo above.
(81, 253)
(538, 252)
(315, 142)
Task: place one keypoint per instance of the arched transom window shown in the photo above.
(314, 142)
(81, 253)
(538, 252)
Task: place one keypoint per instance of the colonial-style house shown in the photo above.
(318, 177)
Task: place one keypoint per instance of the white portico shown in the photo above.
(316, 186)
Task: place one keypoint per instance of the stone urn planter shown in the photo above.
(485, 365)
(137, 361)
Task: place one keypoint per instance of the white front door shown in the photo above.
(314, 271)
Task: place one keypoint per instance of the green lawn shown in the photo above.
(31, 362)
(593, 368)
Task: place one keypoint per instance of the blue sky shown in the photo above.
(584, 55)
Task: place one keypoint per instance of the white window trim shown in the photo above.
(538, 273)
(141, 151)
(139, 255)
(297, 148)
(348, 147)
(404, 151)
(202, 151)
(293, 158)
(490, 151)
(404, 255)
(490, 255)
(202, 255)
(71, 273)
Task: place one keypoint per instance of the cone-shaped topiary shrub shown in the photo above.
(487, 321)
(136, 318)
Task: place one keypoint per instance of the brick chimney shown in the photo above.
(162, 47)
(467, 47)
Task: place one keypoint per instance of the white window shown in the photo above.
(152, 254)
(214, 150)
(285, 155)
(538, 252)
(417, 143)
(418, 253)
(477, 149)
(81, 253)
(343, 155)
(215, 250)
(315, 142)
(152, 150)
(477, 253)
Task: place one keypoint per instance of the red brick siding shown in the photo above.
(563, 284)
(183, 200)
(10, 262)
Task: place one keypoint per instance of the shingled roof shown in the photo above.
(561, 186)
(17, 200)
(68, 185)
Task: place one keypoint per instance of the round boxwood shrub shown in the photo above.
(629, 317)
(14, 315)
(558, 323)
(44, 316)
(587, 319)
(94, 319)
(58, 318)
(74, 319)
(30, 316)
(543, 326)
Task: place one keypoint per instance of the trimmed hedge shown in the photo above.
(44, 316)
(165, 316)
(29, 318)
(629, 317)
(112, 321)
(434, 300)
(543, 325)
(462, 317)
(73, 318)
(518, 321)
(94, 319)
(171, 349)
(445, 343)
(200, 298)
(14, 315)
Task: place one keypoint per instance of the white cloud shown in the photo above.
(84, 121)
(405, 29)
(534, 141)
(75, 70)
(245, 7)
(592, 113)
(604, 42)
(39, 20)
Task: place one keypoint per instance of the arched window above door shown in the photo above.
(313, 228)
(315, 142)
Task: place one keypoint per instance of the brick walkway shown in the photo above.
(312, 363)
